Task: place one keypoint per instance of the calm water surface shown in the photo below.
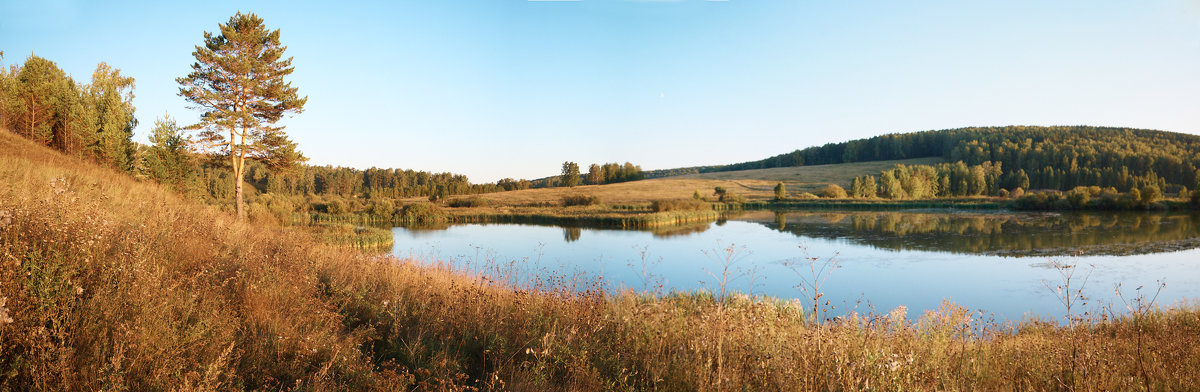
(997, 262)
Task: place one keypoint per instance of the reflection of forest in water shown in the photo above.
(997, 233)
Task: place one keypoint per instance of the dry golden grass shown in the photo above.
(108, 284)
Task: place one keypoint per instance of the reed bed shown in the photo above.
(353, 236)
(109, 284)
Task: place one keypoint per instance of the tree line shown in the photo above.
(598, 174)
(1058, 157)
(95, 121)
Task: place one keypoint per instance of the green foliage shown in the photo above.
(111, 95)
(382, 207)
(238, 83)
(422, 213)
(335, 206)
(570, 174)
(40, 102)
(167, 160)
(1060, 157)
(1151, 194)
(579, 200)
(864, 187)
(610, 173)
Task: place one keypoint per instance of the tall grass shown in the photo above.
(108, 284)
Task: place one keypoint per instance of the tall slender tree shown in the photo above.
(238, 83)
(112, 103)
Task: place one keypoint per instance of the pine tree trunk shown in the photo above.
(237, 176)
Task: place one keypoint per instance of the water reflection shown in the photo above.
(887, 259)
(996, 233)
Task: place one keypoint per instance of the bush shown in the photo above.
(260, 214)
(730, 197)
(335, 206)
(1151, 194)
(469, 202)
(679, 205)
(382, 207)
(1078, 197)
(806, 195)
(422, 212)
(833, 191)
(580, 200)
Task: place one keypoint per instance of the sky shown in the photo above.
(513, 88)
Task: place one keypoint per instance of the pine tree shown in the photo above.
(238, 83)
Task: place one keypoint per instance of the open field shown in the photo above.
(811, 178)
(753, 184)
(111, 284)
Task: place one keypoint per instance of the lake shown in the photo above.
(999, 262)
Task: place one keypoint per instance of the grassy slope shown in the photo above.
(117, 285)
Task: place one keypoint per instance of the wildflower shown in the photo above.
(897, 315)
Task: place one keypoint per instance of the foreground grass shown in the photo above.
(108, 284)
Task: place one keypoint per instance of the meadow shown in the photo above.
(107, 283)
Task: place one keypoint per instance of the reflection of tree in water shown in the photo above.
(680, 230)
(572, 234)
(1013, 234)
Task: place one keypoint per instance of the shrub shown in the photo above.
(260, 214)
(335, 206)
(1079, 196)
(833, 191)
(679, 205)
(1150, 194)
(580, 200)
(422, 212)
(730, 197)
(806, 195)
(382, 207)
(469, 202)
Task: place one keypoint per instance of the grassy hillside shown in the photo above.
(111, 284)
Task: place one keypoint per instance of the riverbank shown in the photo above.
(108, 283)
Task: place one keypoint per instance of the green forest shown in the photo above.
(1031, 157)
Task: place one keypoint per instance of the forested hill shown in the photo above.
(1059, 157)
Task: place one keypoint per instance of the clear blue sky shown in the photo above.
(502, 88)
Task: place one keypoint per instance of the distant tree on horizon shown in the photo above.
(570, 174)
(238, 83)
(595, 175)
